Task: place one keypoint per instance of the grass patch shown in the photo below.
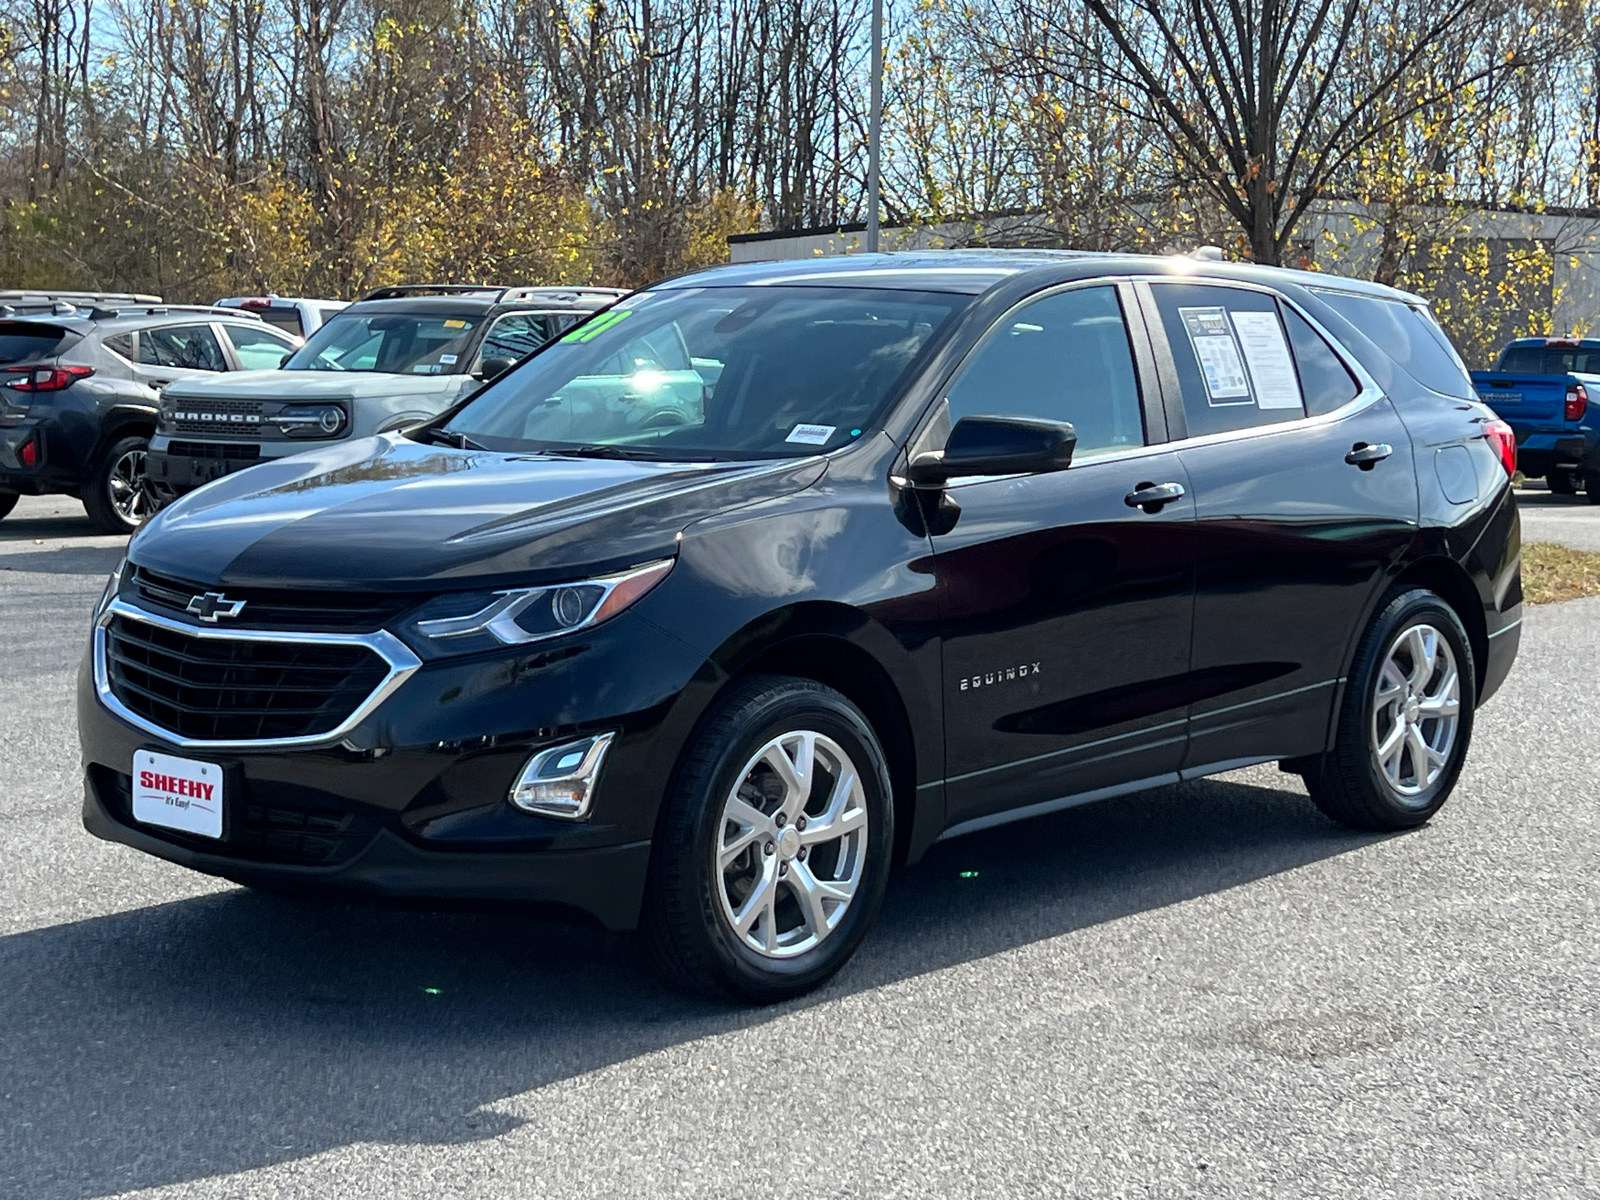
(1551, 572)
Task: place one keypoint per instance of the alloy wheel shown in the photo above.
(1416, 711)
(791, 844)
(125, 481)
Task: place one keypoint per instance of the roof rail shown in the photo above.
(499, 293)
(105, 312)
(399, 290)
(558, 291)
(31, 296)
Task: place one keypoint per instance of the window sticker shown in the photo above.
(447, 359)
(426, 369)
(1218, 355)
(810, 435)
(592, 330)
(1266, 353)
(454, 324)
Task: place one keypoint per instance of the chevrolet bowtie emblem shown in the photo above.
(213, 605)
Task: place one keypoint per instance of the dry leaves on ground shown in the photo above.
(1551, 572)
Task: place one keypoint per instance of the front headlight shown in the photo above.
(109, 592)
(310, 420)
(464, 622)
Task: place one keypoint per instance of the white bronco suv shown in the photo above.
(398, 357)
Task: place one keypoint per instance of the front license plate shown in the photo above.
(178, 793)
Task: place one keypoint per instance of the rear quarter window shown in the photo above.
(21, 343)
(1408, 334)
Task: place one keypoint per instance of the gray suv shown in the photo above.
(397, 358)
(81, 383)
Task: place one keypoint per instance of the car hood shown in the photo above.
(308, 385)
(389, 514)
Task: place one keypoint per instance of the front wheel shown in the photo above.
(774, 850)
(1406, 719)
(115, 498)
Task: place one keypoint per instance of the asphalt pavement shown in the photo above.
(1204, 990)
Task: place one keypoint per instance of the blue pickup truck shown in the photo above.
(1541, 387)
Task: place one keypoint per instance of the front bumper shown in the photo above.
(170, 475)
(413, 799)
(607, 883)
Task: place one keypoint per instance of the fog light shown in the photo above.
(560, 781)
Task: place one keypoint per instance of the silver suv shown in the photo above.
(81, 378)
(397, 358)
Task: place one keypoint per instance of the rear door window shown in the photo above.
(258, 348)
(1232, 355)
(516, 335)
(1408, 334)
(1065, 357)
(190, 347)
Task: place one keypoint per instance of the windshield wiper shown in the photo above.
(449, 437)
(635, 453)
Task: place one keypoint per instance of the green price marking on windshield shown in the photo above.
(595, 328)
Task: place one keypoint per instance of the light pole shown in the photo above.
(875, 127)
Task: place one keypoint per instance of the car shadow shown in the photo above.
(70, 523)
(68, 560)
(236, 1030)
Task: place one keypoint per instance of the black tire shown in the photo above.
(1591, 487)
(1348, 783)
(8, 501)
(1562, 483)
(684, 921)
(106, 498)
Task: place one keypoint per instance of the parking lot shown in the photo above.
(1207, 989)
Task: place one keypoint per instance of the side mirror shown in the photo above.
(997, 446)
(285, 357)
(495, 366)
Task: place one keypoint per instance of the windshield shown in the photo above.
(734, 373)
(395, 343)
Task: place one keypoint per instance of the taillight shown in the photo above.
(1499, 435)
(1577, 401)
(45, 379)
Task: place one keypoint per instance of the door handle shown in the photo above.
(1153, 496)
(1366, 457)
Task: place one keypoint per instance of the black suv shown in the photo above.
(944, 541)
(80, 383)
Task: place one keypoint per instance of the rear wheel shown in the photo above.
(1406, 721)
(774, 849)
(1563, 483)
(8, 501)
(115, 498)
(1591, 487)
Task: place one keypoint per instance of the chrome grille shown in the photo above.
(225, 689)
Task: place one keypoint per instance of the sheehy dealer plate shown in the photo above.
(178, 793)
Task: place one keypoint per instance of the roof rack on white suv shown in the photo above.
(110, 311)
